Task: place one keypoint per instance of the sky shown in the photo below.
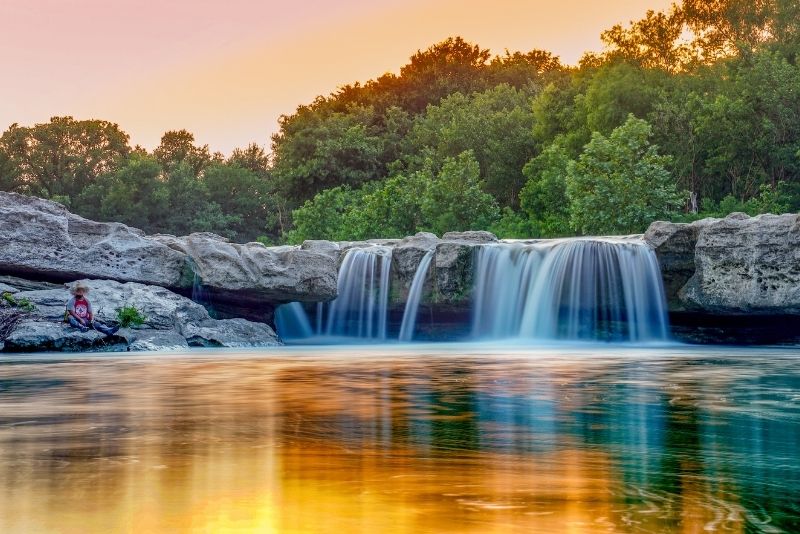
(227, 70)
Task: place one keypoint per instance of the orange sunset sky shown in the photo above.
(225, 70)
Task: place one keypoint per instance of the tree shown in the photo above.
(133, 194)
(323, 216)
(455, 200)
(544, 197)
(253, 158)
(60, 158)
(315, 152)
(178, 147)
(9, 174)
(496, 125)
(435, 199)
(619, 184)
(242, 194)
(453, 65)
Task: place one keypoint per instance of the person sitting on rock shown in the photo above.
(79, 311)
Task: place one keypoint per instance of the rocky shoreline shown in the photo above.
(721, 276)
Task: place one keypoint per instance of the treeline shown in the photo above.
(687, 113)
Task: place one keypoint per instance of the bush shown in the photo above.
(23, 303)
(130, 316)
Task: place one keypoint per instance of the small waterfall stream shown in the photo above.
(361, 308)
(592, 289)
(414, 297)
(292, 321)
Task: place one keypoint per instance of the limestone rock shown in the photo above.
(476, 237)
(172, 322)
(454, 274)
(278, 274)
(5, 288)
(320, 246)
(41, 239)
(230, 333)
(154, 340)
(407, 255)
(674, 244)
(746, 265)
(35, 335)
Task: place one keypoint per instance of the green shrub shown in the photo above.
(23, 304)
(130, 316)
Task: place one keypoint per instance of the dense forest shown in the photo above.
(685, 114)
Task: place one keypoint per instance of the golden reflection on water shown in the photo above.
(382, 445)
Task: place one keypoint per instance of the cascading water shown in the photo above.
(599, 288)
(361, 308)
(414, 297)
(292, 321)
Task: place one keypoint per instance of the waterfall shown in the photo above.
(598, 288)
(361, 308)
(414, 297)
(292, 321)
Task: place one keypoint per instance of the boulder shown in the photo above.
(35, 335)
(276, 274)
(454, 274)
(172, 322)
(746, 265)
(230, 333)
(150, 339)
(407, 255)
(163, 309)
(320, 246)
(42, 240)
(674, 245)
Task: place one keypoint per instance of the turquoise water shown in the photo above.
(406, 438)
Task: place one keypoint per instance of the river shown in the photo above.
(444, 438)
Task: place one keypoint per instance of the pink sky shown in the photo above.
(227, 70)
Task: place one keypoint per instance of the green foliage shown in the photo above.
(130, 316)
(434, 199)
(454, 200)
(769, 200)
(515, 225)
(23, 303)
(63, 156)
(496, 125)
(544, 197)
(314, 152)
(620, 183)
(323, 217)
(459, 139)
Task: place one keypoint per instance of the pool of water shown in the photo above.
(403, 439)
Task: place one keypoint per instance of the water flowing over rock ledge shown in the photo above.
(726, 280)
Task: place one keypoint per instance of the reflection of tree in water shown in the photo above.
(756, 449)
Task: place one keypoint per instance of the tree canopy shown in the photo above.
(688, 112)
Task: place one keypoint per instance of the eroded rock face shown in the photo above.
(747, 265)
(674, 245)
(735, 265)
(39, 335)
(451, 269)
(407, 255)
(278, 274)
(41, 238)
(172, 322)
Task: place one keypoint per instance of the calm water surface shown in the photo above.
(457, 439)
